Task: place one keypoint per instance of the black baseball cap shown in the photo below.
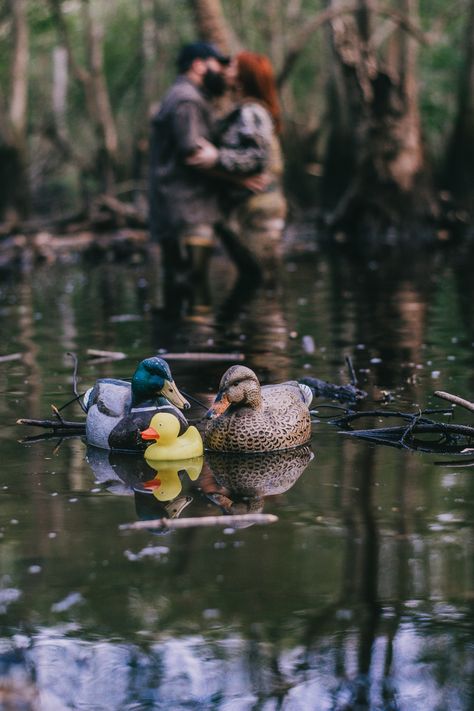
(198, 50)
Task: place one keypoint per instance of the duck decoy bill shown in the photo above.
(171, 393)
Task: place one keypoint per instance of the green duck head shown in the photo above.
(153, 378)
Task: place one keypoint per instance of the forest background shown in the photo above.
(377, 98)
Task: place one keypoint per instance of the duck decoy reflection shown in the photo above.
(117, 411)
(241, 481)
(246, 417)
(119, 472)
(127, 474)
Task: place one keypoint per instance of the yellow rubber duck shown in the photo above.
(169, 446)
(166, 485)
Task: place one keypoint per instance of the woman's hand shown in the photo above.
(205, 156)
(257, 183)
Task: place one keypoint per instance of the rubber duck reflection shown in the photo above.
(239, 483)
(157, 487)
(167, 485)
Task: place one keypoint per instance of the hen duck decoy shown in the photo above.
(246, 417)
(118, 411)
(169, 443)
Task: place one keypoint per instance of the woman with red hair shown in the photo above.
(249, 156)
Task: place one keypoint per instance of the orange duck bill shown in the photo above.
(150, 434)
(220, 405)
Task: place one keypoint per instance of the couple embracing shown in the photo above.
(218, 176)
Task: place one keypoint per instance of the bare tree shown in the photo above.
(375, 142)
(459, 171)
(13, 122)
(212, 26)
(93, 80)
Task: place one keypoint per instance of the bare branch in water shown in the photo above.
(352, 374)
(105, 355)
(74, 380)
(455, 399)
(204, 356)
(11, 356)
(200, 522)
(55, 425)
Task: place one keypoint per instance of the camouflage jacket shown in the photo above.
(248, 145)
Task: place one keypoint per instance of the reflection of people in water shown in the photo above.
(248, 146)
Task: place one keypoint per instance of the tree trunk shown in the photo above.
(106, 129)
(97, 100)
(459, 169)
(375, 175)
(14, 193)
(212, 26)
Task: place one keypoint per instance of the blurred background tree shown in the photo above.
(377, 98)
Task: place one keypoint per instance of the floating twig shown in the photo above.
(69, 402)
(55, 425)
(194, 399)
(204, 356)
(58, 414)
(200, 522)
(74, 380)
(455, 399)
(105, 355)
(352, 374)
(10, 357)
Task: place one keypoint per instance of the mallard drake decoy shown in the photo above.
(169, 444)
(249, 418)
(117, 411)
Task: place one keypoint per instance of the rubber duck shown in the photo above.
(118, 411)
(169, 444)
(246, 417)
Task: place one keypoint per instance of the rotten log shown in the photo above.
(321, 388)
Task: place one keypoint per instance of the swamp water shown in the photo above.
(359, 597)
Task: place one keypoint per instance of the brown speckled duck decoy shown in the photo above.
(249, 418)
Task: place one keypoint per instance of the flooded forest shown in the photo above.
(237, 441)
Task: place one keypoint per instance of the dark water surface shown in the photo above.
(359, 597)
